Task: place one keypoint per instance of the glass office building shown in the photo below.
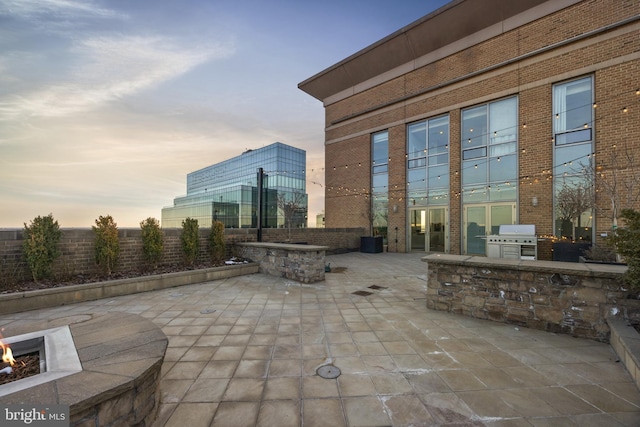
(228, 191)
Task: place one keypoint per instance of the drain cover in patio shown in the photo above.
(363, 293)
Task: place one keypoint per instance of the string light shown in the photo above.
(547, 174)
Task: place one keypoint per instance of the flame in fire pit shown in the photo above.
(7, 354)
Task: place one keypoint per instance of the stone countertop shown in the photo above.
(116, 351)
(285, 246)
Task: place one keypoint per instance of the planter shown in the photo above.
(625, 341)
(370, 244)
(43, 298)
(569, 252)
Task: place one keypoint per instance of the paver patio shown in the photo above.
(244, 352)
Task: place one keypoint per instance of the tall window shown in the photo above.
(489, 145)
(379, 182)
(428, 162)
(573, 146)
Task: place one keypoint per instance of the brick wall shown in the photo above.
(612, 57)
(78, 257)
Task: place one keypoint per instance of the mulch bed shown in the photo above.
(80, 279)
(26, 365)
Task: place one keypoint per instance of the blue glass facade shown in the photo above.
(228, 191)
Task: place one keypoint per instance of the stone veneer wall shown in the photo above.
(77, 248)
(561, 297)
(302, 263)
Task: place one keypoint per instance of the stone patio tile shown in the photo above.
(185, 370)
(182, 340)
(601, 398)
(427, 382)
(410, 363)
(281, 413)
(398, 347)
(206, 390)
(172, 391)
(219, 369)
(252, 369)
(343, 349)
(494, 378)
(365, 411)
(380, 363)
(285, 368)
(391, 383)
(244, 389)
(407, 410)
(288, 340)
(192, 415)
(347, 365)
(528, 377)
(198, 354)
(236, 340)
(317, 387)
(461, 380)
(371, 349)
(209, 341)
(355, 385)
(565, 402)
(447, 408)
(229, 353)
(236, 414)
(258, 352)
(323, 413)
(282, 388)
(287, 352)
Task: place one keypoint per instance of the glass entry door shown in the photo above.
(429, 229)
(482, 220)
(437, 238)
(418, 218)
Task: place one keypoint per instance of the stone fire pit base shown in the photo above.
(121, 356)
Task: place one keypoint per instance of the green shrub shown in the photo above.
(627, 243)
(216, 242)
(40, 245)
(107, 243)
(190, 240)
(152, 241)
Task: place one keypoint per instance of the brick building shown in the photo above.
(486, 112)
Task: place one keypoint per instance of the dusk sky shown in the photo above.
(106, 105)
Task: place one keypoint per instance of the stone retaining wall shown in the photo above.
(302, 263)
(561, 297)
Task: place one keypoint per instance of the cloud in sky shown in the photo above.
(106, 105)
(108, 69)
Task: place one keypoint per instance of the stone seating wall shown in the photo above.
(563, 297)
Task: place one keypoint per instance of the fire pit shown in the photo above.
(113, 378)
(57, 354)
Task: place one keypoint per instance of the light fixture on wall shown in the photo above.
(534, 201)
(395, 208)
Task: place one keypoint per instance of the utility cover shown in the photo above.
(328, 371)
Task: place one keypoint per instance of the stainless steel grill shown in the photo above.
(513, 241)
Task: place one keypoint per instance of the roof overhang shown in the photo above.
(446, 25)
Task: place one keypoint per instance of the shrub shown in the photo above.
(190, 240)
(107, 243)
(40, 245)
(627, 242)
(216, 242)
(152, 241)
